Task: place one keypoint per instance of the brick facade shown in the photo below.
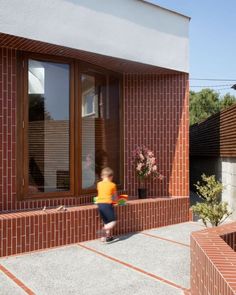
(213, 261)
(34, 230)
(155, 114)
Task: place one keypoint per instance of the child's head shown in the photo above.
(107, 173)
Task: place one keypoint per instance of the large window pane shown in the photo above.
(100, 127)
(48, 127)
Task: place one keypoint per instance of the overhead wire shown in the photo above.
(213, 79)
(222, 85)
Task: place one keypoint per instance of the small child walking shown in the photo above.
(107, 192)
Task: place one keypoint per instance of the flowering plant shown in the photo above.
(145, 163)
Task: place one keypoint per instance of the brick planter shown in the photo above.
(34, 230)
(213, 261)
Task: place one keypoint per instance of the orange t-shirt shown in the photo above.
(106, 189)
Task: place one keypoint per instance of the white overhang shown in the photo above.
(127, 29)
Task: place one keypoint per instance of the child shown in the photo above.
(106, 194)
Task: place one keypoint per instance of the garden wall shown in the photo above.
(213, 261)
(34, 230)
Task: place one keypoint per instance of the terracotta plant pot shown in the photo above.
(142, 193)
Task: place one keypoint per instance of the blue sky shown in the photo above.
(212, 39)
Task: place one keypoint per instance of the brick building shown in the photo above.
(82, 83)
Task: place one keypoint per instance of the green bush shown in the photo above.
(211, 210)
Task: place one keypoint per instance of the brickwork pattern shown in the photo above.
(230, 239)
(34, 230)
(213, 261)
(155, 114)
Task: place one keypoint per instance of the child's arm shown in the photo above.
(115, 195)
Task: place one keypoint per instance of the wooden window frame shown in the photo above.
(75, 106)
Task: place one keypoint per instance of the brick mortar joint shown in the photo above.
(81, 208)
(195, 239)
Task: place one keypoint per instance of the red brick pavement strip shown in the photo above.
(16, 280)
(134, 268)
(165, 239)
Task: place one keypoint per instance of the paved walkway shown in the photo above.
(152, 262)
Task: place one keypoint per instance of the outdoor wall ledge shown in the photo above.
(27, 231)
(213, 261)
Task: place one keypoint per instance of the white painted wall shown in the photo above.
(129, 29)
(229, 181)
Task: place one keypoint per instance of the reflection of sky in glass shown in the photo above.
(51, 80)
(36, 80)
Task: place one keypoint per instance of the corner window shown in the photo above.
(70, 128)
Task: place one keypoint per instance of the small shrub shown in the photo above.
(211, 210)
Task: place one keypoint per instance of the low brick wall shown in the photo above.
(213, 261)
(33, 230)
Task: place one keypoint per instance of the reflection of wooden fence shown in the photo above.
(49, 150)
(101, 136)
(93, 135)
(216, 136)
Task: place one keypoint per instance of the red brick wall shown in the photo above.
(230, 239)
(28, 231)
(156, 114)
(213, 261)
(7, 128)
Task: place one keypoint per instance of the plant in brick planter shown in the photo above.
(145, 167)
(212, 210)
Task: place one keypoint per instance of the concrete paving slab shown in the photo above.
(165, 259)
(74, 270)
(8, 287)
(178, 232)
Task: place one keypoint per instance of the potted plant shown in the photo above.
(145, 167)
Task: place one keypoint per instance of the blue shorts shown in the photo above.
(106, 212)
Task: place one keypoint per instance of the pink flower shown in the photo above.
(139, 167)
(150, 153)
(141, 156)
(145, 163)
(153, 160)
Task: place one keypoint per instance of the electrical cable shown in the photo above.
(213, 79)
(222, 85)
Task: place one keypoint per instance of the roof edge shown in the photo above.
(164, 8)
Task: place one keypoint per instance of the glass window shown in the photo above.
(48, 127)
(100, 127)
(63, 148)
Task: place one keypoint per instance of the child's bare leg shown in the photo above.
(108, 227)
(103, 236)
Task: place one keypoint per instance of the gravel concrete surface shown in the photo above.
(75, 270)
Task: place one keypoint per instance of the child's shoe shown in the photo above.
(110, 239)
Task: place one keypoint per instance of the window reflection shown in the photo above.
(48, 129)
(100, 127)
